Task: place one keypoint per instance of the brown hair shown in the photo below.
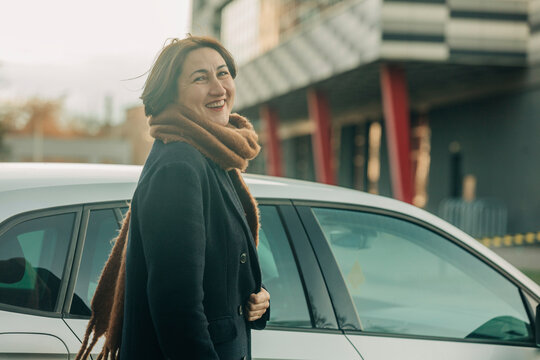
(160, 86)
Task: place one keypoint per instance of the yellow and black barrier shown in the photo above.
(529, 238)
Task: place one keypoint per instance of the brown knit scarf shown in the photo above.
(230, 147)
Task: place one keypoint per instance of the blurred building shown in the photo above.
(423, 100)
(32, 132)
(135, 131)
(23, 148)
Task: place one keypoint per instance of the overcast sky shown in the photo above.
(84, 51)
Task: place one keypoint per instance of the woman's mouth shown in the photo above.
(216, 105)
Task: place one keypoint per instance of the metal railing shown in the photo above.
(478, 218)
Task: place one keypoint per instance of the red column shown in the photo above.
(270, 120)
(319, 111)
(396, 115)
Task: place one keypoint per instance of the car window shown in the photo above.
(32, 259)
(405, 279)
(288, 306)
(101, 230)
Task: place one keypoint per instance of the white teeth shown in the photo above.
(216, 104)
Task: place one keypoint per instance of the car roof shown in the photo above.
(30, 186)
(18, 176)
(26, 178)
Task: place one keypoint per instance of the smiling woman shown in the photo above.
(168, 78)
(187, 284)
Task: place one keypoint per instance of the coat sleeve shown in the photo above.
(174, 240)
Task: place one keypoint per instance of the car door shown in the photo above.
(302, 321)
(415, 292)
(35, 260)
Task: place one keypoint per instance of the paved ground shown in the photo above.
(525, 258)
(522, 257)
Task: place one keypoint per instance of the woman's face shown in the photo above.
(206, 86)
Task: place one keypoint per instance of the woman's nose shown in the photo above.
(216, 88)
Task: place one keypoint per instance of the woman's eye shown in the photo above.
(199, 78)
(223, 73)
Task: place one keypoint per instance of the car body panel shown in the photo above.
(388, 347)
(32, 346)
(269, 345)
(32, 336)
(78, 326)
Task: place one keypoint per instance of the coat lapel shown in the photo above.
(231, 196)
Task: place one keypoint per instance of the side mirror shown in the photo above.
(537, 326)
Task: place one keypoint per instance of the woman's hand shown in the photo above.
(257, 305)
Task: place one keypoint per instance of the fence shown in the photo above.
(478, 218)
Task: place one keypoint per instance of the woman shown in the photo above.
(192, 287)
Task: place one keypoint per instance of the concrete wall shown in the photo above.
(500, 145)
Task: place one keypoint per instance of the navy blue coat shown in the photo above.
(191, 262)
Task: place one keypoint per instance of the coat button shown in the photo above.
(243, 258)
(240, 310)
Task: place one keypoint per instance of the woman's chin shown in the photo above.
(220, 119)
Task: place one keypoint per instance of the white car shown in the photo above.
(351, 275)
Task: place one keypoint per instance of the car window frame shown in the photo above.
(118, 211)
(81, 238)
(337, 284)
(9, 223)
(323, 319)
